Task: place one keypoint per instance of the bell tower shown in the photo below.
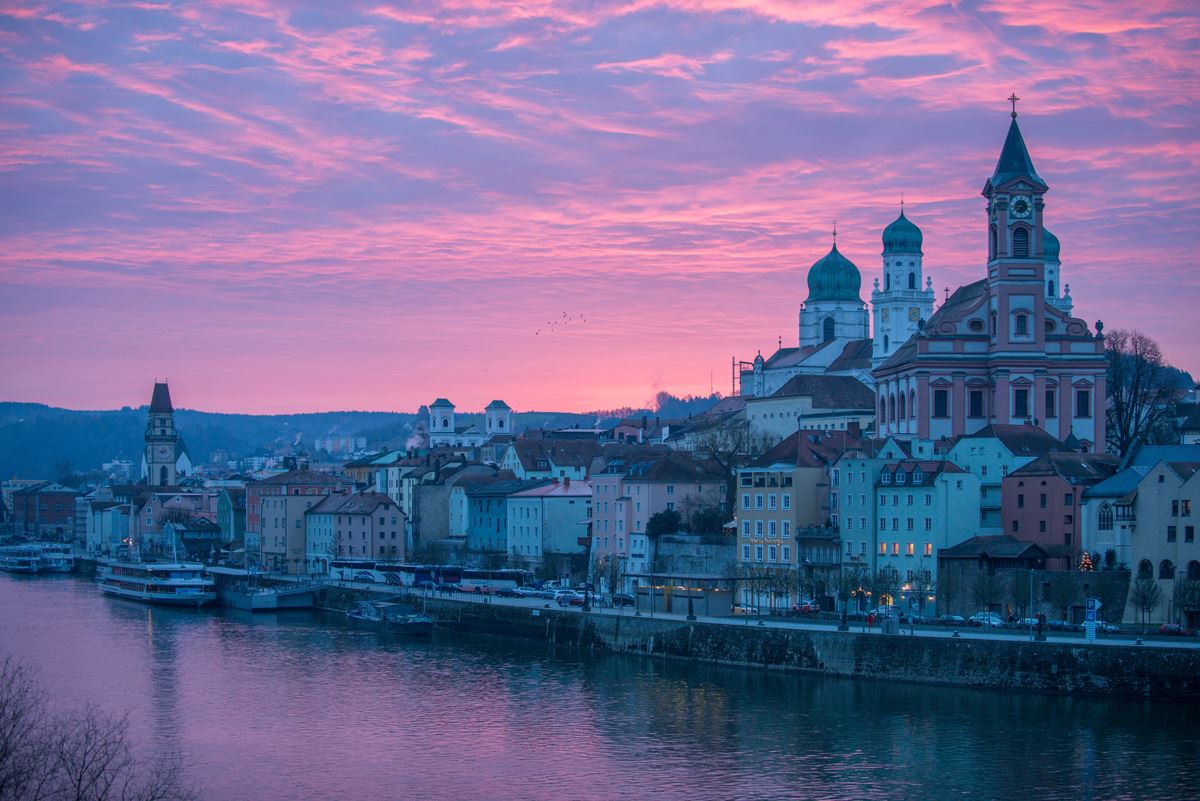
(162, 440)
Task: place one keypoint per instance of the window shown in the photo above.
(1042, 501)
(837, 474)
(745, 553)
(941, 403)
(910, 549)
(833, 500)
(1051, 405)
(771, 553)
(882, 499)
(928, 499)
(901, 477)
(849, 523)
(1016, 525)
(771, 529)
(1105, 518)
(1020, 501)
(758, 553)
(1145, 569)
(771, 500)
(1020, 241)
(883, 524)
(895, 549)
(1189, 533)
(975, 399)
(1022, 325)
(670, 489)
(745, 528)
(883, 549)
(827, 330)
(1068, 499)
(758, 501)
(1166, 569)
(786, 550)
(1170, 533)
(745, 500)
(909, 524)
(1174, 508)
(929, 549)
(885, 478)
(758, 528)
(787, 529)
(929, 524)
(1083, 403)
(911, 497)
(786, 500)
(1021, 399)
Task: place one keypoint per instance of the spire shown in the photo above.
(160, 401)
(1014, 158)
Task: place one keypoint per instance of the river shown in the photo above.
(297, 706)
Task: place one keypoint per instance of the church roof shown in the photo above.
(1050, 246)
(496, 404)
(441, 402)
(829, 391)
(902, 236)
(160, 401)
(1014, 160)
(833, 277)
(856, 355)
(963, 298)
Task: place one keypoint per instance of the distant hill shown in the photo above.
(37, 440)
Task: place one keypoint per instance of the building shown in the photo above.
(445, 431)
(550, 519)
(44, 510)
(629, 491)
(165, 458)
(962, 590)
(268, 532)
(108, 527)
(340, 446)
(231, 514)
(431, 507)
(1145, 513)
(1004, 349)
(994, 452)
(1040, 502)
(530, 458)
(852, 480)
(487, 514)
(812, 402)
(921, 508)
(362, 525)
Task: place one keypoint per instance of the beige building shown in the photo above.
(812, 403)
(1147, 514)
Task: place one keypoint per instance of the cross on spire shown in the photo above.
(835, 233)
(901, 202)
(1013, 99)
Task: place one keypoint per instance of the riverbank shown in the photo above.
(966, 661)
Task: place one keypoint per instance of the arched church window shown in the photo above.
(1166, 569)
(827, 327)
(892, 410)
(445, 422)
(1145, 569)
(1050, 289)
(1106, 518)
(912, 403)
(1020, 239)
(1193, 572)
(887, 281)
(883, 410)
(885, 343)
(902, 404)
(1022, 325)
(912, 280)
(992, 243)
(162, 476)
(500, 423)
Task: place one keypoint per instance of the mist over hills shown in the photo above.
(39, 441)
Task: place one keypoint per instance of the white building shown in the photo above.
(549, 519)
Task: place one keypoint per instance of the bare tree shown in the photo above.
(1140, 398)
(988, 590)
(85, 756)
(1021, 590)
(1063, 592)
(1111, 587)
(1146, 595)
(731, 444)
(1187, 595)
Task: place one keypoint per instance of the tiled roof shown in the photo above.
(1184, 470)
(809, 449)
(558, 489)
(497, 404)
(911, 468)
(1076, 468)
(672, 467)
(1021, 440)
(306, 478)
(993, 546)
(855, 356)
(1191, 420)
(1119, 484)
(556, 452)
(440, 402)
(1150, 455)
(958, 303)
(497, 489)
(829, 391)
(362, 503)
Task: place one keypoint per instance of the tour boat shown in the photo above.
(170, 583)
(21, 558)
(56, 558)
(389, 617)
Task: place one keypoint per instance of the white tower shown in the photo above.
(498, 418)
(441, 419)
(833, 309)
(1054, 283)
(902, 301)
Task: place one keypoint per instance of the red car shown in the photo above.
(1174, 629)
(806, 608)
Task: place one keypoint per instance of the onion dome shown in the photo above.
(1050, 247)
(902, 236)
(833, 277)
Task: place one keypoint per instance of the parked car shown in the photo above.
(624, 599)
(806, 608)
(952, 620)
(1174, 629)
(425, 585)
(743, 609)
(547, 593)
(568, 598)
(508, 592)
(1107, 628)
(526, 592)
(989, 620)
(447, 586)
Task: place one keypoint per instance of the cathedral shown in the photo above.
(1004, 349)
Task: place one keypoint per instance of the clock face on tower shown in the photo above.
(162, 452)
(914, 313)
(1021, 207)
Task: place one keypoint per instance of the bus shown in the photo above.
(398, 574)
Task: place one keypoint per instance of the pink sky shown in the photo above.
(284, 207)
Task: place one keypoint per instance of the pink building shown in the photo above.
(1004, 349)
(1040, 502)
(630, 490)
(151, 512)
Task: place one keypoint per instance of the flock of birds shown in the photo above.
(566, 319)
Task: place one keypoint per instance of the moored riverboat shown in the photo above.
(389, 617)
(56, 557)
(168, 583)
(21, 559)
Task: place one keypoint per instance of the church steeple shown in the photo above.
(162, 440)
(1014, 160)
(1015, 204)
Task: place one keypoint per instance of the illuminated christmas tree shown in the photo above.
(1085, 563)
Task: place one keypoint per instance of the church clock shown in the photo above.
(1021, 207)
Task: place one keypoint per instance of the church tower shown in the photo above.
(833, 309)
(902, 302)
(1016, 247)
(162, 439)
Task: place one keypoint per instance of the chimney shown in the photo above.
(566, 482)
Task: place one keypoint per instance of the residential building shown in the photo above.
(231, 514)
(487, 514)
(852, 480)
(549, 519)
(361, 525)
(1040, 502)
(995, 451)
(271, 546)
(530, 458)
(999, 557)
(812, 402)
(46, 509)
(1004, 349)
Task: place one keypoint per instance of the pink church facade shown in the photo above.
(1001, 350)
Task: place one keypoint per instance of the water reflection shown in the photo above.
(294, 705)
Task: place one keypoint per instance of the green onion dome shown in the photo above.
(834, 277)
(902, 236)
(1050, 246)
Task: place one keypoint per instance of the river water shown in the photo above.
(297, 706)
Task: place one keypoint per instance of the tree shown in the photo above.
(667, 521)
(987, 591)
(1187, 595)
(1110, 587)
(1086, 565)
(1063, 592)
(730, 444)
(82, 756)
(949, 585)
(1021, 590)
(886, 582)
(1145, 595)
(1141, 395)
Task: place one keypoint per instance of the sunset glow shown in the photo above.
(568, 205)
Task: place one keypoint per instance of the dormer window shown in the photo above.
(918, 477)
(900, 477)
(885, 478)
